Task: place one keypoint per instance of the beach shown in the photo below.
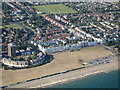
(101, 80)
(61, 78)
(62, 62)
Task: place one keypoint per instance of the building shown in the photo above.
(11, 50)
(61, 48)
(12, 63)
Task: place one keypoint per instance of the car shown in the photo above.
(105, 57)
(90, 62)
(97, 59)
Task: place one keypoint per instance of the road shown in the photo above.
(109, 48)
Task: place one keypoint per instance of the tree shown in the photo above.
(21, 59)
(29, 58)
(117, 42)
(75, 41)
(47, 38)
(33, 57)
(6, 68)
(35, 53)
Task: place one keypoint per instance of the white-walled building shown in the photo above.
(12, 63)
(66, 47)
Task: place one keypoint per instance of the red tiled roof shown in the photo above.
(16, 9)
(53, 21)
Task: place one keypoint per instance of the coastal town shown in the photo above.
(34, 34)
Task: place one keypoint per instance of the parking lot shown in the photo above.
(103, 60)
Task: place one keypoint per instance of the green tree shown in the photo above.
(47, 38)
(29, 58)
(6, 68)
(21, 59)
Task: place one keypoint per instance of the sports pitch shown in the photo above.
(54, 9)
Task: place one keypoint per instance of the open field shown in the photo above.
(65, 77)
(0, 26)
(13, 25)
(54, 9)
(62, 62)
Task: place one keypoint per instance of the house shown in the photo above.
(54, 22)
(12, 63)
(66, 47)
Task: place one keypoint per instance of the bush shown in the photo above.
(6, 67)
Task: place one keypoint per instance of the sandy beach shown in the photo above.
(62, 62)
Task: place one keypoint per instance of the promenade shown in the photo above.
(72, 75)
(62, 62)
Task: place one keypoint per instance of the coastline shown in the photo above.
(63, 61)
(85, 82)
(69, 76)
(85, 76)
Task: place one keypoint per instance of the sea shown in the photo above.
(102, 80)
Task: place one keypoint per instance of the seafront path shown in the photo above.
(67, 75)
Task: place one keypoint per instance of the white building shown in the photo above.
(12, 63)
(66, 47)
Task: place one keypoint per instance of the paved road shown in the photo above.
(107, 59)
(108, 48)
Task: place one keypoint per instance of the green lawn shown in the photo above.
(54, 9)
(0, 26)
(13, 25)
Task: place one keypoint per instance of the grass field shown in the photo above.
(13, 25)
(54, 9)
(61, 62)
(0, 27)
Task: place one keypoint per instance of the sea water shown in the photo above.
(103, 80)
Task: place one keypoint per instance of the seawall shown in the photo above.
(63, 77)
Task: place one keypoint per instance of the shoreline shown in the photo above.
(62, 62)
(69, 76)
(85, 76)
(79, 78)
